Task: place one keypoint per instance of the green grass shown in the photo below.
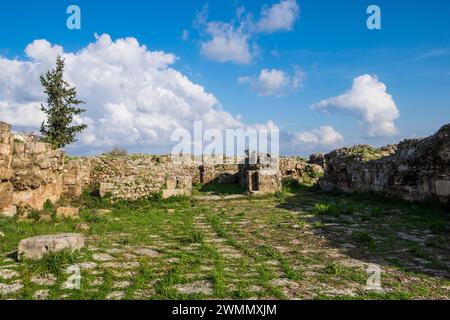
(51, 263)
(219, 189)
(240, 245)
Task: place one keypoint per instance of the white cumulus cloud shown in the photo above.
(324, 136)
(278, 17)
(273, 82)
(369, 101)
(234, 41)
(228, 43)
(134, 97)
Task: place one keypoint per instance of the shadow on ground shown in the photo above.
(376, 229)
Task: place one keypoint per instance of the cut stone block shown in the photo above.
(171, 183)
(174, 193)
(67, 212)
(105, 188)
(36, 247)
(6, 200)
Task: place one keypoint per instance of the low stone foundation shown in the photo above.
(178, 186)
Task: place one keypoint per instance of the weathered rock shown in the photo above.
(178, 186)
(83, 226)
(37, 247)
(46, 280)
(7, 207)
(116, 295)
(198, 287)
(102, 257)
(147, 252)
(41, 294)
(45, 218)
(415, 170)
(8, 274)
(10, 288)
(106, 188)
(67, 212)
(173, 193)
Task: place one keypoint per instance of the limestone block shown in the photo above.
(38, 147)
(5, 133)
(105, 187)
(9, 211)
(37, 247)
(6, 149)
(171, 183)
(6, 195)
(67, 212)
(5, 173)
(168, 193)
(184, 182)
(103, 212)
(19, 148)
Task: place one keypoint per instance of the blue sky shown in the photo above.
(328, 42)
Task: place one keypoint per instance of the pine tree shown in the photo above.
(62, 106)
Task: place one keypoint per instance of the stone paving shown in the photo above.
(239, 253)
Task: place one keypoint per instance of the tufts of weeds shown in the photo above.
(92, 217)
(419, 252)
(51, 263)
(328, 209)
(194, 236)
(365, 239)
(333, 268)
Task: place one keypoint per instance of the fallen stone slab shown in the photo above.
(103, 212)
(37, 247)
(67, 212)
(169, 193)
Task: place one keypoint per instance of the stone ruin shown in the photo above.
(7, 207)
(31, 172)
(260, 174)
(178, 186)
(415, 170)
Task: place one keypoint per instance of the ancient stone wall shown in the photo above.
(136, 176)
(30, 172)
(7, 207)
(414, 170)
(76, 177)
(37, 173)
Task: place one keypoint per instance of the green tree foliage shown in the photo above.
(62, 106)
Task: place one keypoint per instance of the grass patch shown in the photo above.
(365, 239)
(52, 262)
(219, 189)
